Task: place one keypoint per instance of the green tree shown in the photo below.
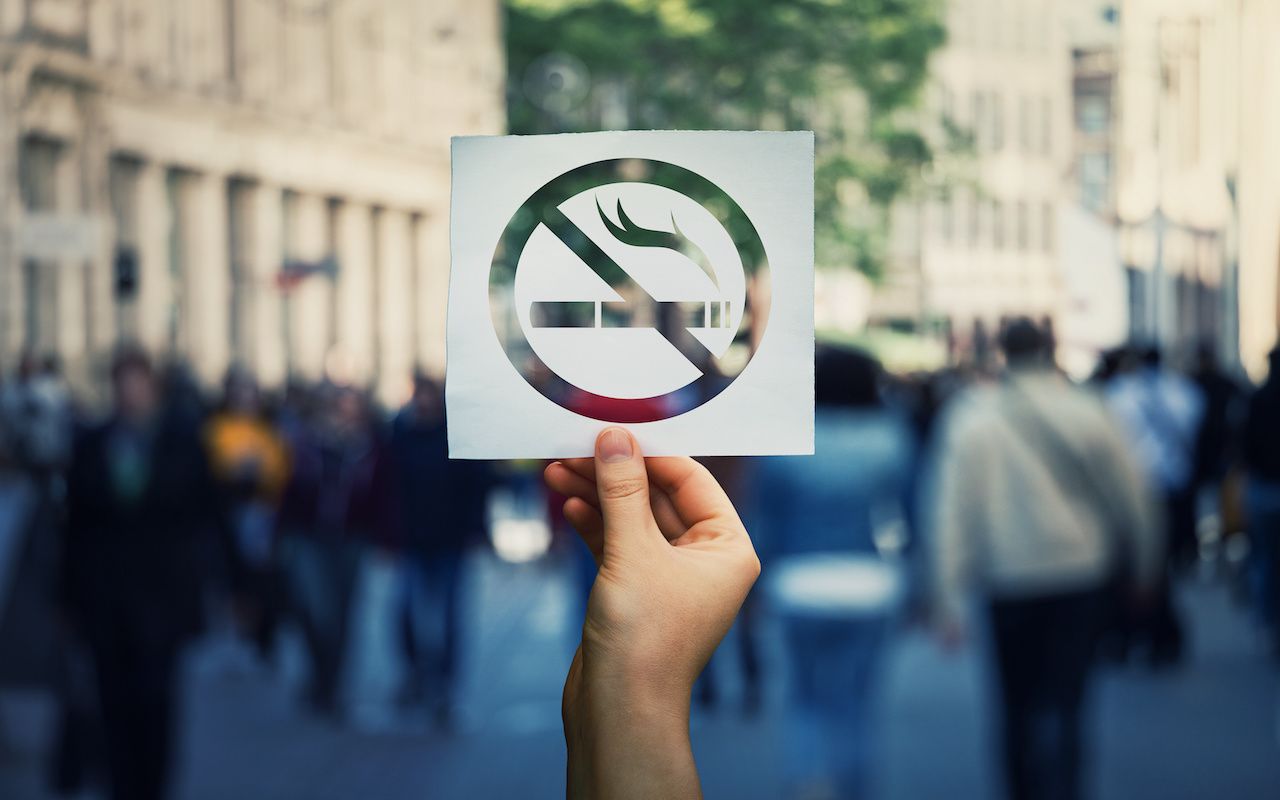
(852, 70)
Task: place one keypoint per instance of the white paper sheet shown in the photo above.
(622, 278)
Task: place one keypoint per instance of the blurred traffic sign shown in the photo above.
(294, 271)
(54, 236)
(126, 272)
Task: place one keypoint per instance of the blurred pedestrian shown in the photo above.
(732, 473)
(1262, 467)
(337, 503)
(139, 498)
(815, 529)
(251, 466)
(442, 506)
(1038, 505)
(1217, 436)
(38, 408)
(1160, 412)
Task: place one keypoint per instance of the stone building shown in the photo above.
(987, 247)
(1198, 172)
(167, 167)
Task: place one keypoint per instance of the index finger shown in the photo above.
(700, 496)
(693, 490)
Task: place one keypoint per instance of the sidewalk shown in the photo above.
(1208, 730)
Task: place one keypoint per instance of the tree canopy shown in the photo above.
(852, 70)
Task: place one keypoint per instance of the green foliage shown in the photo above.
(852, 70)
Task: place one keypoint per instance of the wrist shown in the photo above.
(626, 736)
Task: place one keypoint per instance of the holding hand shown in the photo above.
(675, 564)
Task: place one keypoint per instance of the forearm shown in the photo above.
(626, 741)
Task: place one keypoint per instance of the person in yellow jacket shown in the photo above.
(250, 462)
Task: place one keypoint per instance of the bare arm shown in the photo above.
(675, 565)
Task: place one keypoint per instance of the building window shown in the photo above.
(1024, 124)
(997, 224)
(997, 121)
(1046, 126)
(947, 101)
(1024, 226)
(979, 120)
(1093, 114)
(944, 209)
(1048, 227)
(975, 220)
(1093, 173)
(38, 166)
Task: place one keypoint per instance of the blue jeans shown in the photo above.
(1262, 501)
(433, 587)
(833, 665)
(321, 575)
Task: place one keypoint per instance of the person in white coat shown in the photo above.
(1038, 506)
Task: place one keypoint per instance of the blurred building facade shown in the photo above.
(1174, 141)
(1255, 174)
(1198, 175)
(986, 247)
(253, 181)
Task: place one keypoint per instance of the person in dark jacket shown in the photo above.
(338, 502)
(139, 500)
(442, 505)
(1262, 467)
(1218, 436)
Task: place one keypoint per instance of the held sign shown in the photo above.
(661, 280)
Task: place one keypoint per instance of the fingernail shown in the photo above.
(614, 445)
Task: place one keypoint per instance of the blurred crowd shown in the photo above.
(1000, 495)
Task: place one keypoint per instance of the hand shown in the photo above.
(675, 565)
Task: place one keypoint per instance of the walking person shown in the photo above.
(442, 511)
(251, 466)
(815, 528)
(1038, 505)
(1262, 468)
(139, 499)
(1160, 414)
(338, 501)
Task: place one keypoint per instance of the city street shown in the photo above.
(1208, 730)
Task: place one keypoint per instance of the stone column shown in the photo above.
(266, 250)
(395, 362)
(154, 301)
(207, 275)
(10, 208)
(310, 300)
(101, 306)
(70, 320)
(433, 283)
(355, 304)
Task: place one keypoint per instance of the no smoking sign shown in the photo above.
(661, 279)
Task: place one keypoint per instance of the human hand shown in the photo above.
(675, 564)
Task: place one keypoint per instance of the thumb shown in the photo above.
(623, 487)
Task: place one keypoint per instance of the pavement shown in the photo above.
(1210, 729)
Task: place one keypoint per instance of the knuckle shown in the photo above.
(623, 488)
